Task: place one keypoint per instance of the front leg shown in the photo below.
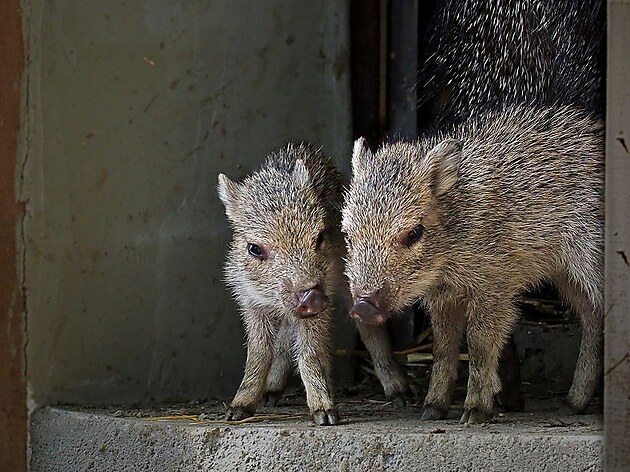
(313, 351)
(388, 371)
(447, 320)
(488, 328)
(261, 332)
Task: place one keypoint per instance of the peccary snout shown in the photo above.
(311, 302)
(366, 310)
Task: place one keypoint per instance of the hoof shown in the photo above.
(326, 417)
(431, 413)
(475, 416)
(238, 413)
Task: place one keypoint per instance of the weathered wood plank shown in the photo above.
(13, 416)
(617, 256)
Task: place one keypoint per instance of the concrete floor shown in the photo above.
(374, 436)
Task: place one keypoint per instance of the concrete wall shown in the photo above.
(133, 108)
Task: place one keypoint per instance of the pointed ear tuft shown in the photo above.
(300, 173)
(229, 193)
(443, 163)
(361, 155)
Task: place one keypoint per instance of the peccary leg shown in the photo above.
(314, 361)
(510, 396)
(488, 328)
(281, 365)
(447, 320)
(589, 363)
(260, 342)
(388, 371)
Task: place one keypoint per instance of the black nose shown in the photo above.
(311, 302)
(366, 310)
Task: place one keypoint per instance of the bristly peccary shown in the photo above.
(465, 222)
(486, 54)
(483, 55)
(283, 266)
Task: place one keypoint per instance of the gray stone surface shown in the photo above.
(373, 437)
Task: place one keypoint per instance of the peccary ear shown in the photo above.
(443, 165)
(300, 173)
(361, 156)
(229, 193)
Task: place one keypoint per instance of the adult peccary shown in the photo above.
(467, 220)
(283, 266)
(486, 54)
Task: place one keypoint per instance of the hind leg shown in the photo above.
(584, 299)
(489, 325)
(510, 396)
(281, 366)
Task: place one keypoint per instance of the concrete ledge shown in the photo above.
(380, 438)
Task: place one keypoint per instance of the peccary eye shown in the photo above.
(256, 251)
(414, 235)
(320, 240)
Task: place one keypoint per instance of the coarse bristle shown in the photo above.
(485, 54)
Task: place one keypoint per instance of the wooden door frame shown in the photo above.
(617, 252)
(13, 409)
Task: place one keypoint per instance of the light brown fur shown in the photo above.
(289, 208)
(502, 203)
